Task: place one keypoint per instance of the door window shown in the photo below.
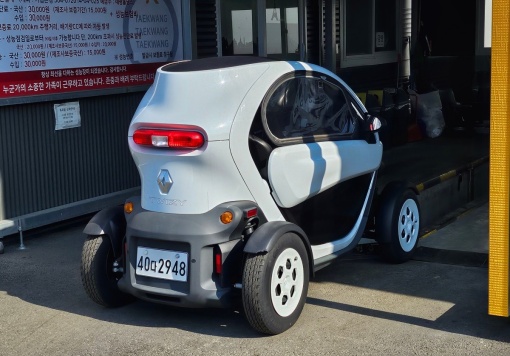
(304, 108)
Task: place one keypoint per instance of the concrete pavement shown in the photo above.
(463, 241)
(357, 306)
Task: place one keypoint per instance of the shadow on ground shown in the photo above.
(47, 274)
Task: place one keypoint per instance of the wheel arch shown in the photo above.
(111, 222)
(399, 184)
(264, 238)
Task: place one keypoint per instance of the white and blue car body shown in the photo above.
(254, 174)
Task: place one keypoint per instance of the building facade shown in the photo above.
(73, 73)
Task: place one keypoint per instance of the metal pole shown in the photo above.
(20, 229)
(405, 57)
(499, 173)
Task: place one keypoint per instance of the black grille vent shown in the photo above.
(206, 29)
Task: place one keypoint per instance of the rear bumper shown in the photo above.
(198, 236)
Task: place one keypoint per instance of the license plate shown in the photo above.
(164, 264)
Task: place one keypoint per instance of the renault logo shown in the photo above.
(164, 181)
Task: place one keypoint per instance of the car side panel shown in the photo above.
(207, 99)
(299, 172)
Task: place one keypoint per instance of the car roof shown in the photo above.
(213, 63)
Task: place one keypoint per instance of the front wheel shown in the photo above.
(275, 285)
(398, 224)
(97, 275)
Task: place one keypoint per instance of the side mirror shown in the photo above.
(373, 123)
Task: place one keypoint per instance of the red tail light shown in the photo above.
(218, 260)
(176, 139)
(248, 214)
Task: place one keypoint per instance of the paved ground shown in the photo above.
(463, 242)
(357, 306)
(469, 233)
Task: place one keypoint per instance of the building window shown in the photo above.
(385, 25)
(369, 32)
(487, 24)
(239, 34)
(242, 31)
(282, 29)
(358, 24)
(484, 27)
(267, 28)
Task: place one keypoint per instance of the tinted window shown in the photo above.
(307, 107)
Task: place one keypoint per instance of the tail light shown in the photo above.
(175, 139)
(250, 213)
(218, 260)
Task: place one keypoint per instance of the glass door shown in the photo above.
(282, 29)
(239, 30)
(245, 22)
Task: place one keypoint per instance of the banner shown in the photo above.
(57, 46)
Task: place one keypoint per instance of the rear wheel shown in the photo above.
(275, 285)
(98, 278)
(398, 224)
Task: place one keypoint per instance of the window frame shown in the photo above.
(260, 34)
(382, 57)
(353, 107)
(480, 28)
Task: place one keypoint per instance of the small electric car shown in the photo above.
(254, 174)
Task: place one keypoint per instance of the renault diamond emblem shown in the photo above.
(164, 181)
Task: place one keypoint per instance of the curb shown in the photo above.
(451, 257)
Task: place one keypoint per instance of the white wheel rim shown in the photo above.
(287, 279)
(408, 225)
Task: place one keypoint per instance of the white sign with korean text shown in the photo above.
(67, 115)
(379, 39)
(58, 46)
(57, 34)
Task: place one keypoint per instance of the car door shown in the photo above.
(321, 169)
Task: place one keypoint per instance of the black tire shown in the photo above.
(398, 223)
(97, 276)
(275, 285)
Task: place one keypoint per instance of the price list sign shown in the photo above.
(58, 46)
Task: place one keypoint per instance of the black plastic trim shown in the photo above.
(265, 237)
(213, 63)
(111, 222)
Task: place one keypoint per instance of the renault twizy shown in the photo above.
(254, 174)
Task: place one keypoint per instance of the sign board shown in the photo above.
(58, 46)
(67, 115)
(379, 40)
